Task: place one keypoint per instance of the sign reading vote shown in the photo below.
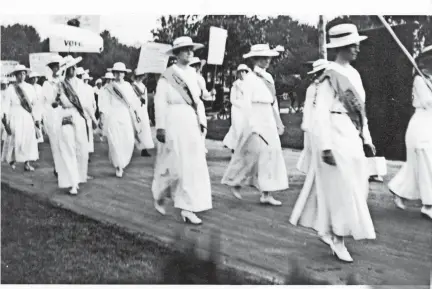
(153, 58)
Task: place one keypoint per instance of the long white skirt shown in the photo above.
(22, 145)
(73, 147)
(346, 185)
(305, 158)
(146, 138)
(258, 160)
(181, 167)
(414, 180)
(237, 121)
(377, 166)
(120, 135)
(52, 125)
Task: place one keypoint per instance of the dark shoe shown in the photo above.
(144, 153)
(55, 173)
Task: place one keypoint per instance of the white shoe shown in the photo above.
(326, 239)
(74, 191)
(270, 200)
(189, 217)
(399, 203)
(28, 168)
(159, 208)
(119, 173)
(236, 193)
(426, 212)
(90, 178)
(341, 252)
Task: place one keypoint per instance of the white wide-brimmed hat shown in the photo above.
(56, 59)
(19, 68)
(81, 71)
(70, 61)
(87, 76)
(195, 60)
(108, 75)
(119, 66)
(98, 81)
(243, 67)
(184, 41)
(319, 65)
(34, 74)
(262, 50)
(343, 35)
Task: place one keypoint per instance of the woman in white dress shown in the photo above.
(258, 160)
(22, 122)
(89, 102)
(120, 119)
(4, 86)
(145, 141)
(181, 167)
(237, 117)
(414, 180)
(342, 135)
(73, 138)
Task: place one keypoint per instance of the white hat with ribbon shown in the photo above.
(120, 67)
(70, 61)
(81, 71)
(87, 76)
(343, 35)
(19, 68)
(319, 65)
(56, 59)
(262, 50)
(98, 81)
(195, 60)
(243, 67)
(184, 41)
(108, 75)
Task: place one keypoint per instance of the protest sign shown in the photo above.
(153, 58)
(38, 62)
(217, 44)
(7, 67)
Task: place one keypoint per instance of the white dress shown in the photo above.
(258, 160)
(237, 116)
(117, 124)
(181, 167)
(89, 104)
(3, 133)
(414, 180)
(146, 138)
(72, 141)
(51, 118)
(344, 210)
(39, 106)
(22, 145)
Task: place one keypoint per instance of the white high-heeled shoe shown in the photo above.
(189, 217)
(399, 203)
(341, 252)
(236, 193)
(119, 173)
(160, 208)
(74, 190)
(269, 200)
(426, 212)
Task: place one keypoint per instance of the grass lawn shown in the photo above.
(292, 138)
(42, 243)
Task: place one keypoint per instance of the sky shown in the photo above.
(130, 29)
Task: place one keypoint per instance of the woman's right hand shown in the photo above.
(160, 135)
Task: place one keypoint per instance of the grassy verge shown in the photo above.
(42, 243)
(292, 138)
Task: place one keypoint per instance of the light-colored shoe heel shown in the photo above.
(236, 193)
(159, 208)
(189, 217)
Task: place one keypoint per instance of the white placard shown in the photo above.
(7, 67)
(153, 58)
(39, 61)
(65, 38)
(217, 44)
(90, 22)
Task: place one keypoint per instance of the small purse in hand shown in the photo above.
(67, 120)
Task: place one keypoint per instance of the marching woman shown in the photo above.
(4, 86)
(258, 160)
(21, 123)
(52, 122)
(145, 138)
(38, 102)
(414, 180)
(237, 118)
(73, 138)
(181, 168)
(89, 104)
(342, 136)
(120, 119)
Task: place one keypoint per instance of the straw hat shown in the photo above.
(343, 35)
(195, 60)
(98, 81)
(138, 72)
(56, 59)
(261, 50)
(87, 76)
(33, 75)
(243, 67)
(319, 65)
(19, 68)
(119, 66)
(108, 75)
(81, 71)
(70, 61)
(184, 41)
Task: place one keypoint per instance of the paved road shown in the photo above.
(254, 238)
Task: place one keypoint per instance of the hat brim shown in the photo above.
(195, 46)
(19, 70)
(72, 63)
(317, 69)
(269, 53)
(116, 70)
(347, 42)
